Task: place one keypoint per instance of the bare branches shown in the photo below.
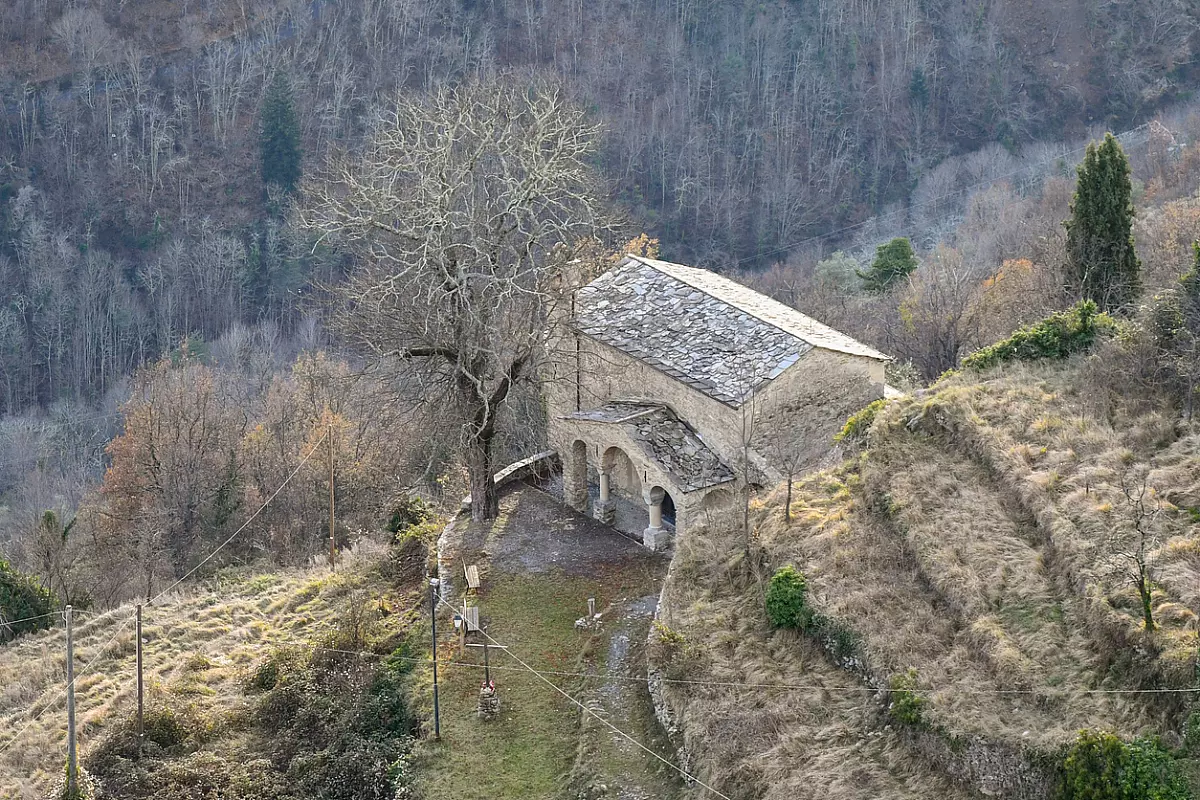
(463, 210)
(1138, 535)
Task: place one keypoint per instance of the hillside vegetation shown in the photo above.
(235, 670)
(973, 590)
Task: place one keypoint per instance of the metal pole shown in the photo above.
(141, 727)
(71, 763)
(332, 540)
(487, 673)
(437, 722)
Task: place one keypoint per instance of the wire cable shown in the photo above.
(245, 524)
(792, 687)
(599, 718)
(4, 622)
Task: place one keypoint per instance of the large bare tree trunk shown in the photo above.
(485, 499)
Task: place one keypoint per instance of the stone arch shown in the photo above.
(623, 475)
(718, 500)
(669, 511)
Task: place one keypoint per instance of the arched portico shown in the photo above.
(653, 471)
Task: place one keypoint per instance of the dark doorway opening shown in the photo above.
(668, 509)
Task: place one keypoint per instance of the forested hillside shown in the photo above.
(133, 210)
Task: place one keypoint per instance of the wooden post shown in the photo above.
(141, 724)
(72, 775)
(437, 722)
(332, 539)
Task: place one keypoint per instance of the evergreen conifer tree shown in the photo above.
(1102, 265)
(280, 139)
(893, 261)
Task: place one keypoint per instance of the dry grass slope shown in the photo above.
(972, 541)
(199, 646)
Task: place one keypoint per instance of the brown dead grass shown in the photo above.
(969, 543)
(199, 644)
(826, 739)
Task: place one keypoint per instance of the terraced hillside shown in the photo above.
(975, 553)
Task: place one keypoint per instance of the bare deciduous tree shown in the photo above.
(463, 210)
(1138, 535)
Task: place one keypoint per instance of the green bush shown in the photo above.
(1100, 766)
(22, 597)
(786, 595)
(893, 262)
(860, 422)
(1058, 336)
(1191, 733)
(906, 704)
(339, 724)
(408, 513)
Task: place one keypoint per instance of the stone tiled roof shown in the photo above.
(666, 440)
(704, 330)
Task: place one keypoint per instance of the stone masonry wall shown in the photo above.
(803, 408)
(798, 414)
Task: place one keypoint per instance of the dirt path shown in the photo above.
(539, 562)
(614, 766)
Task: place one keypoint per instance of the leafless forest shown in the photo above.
(781, 141)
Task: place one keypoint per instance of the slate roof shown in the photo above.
(705, 330)
(666, 440)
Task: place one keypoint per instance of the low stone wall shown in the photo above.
(539, 465)
(993, 768)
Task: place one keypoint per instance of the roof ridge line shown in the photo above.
(646, 262)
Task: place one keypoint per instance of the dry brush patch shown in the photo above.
(198, 647)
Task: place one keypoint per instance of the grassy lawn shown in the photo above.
(529, 750)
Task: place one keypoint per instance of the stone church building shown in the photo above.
(673, 388)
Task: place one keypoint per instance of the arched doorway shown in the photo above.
(623, 476)
(668, 509)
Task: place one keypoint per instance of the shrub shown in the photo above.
(786, 599)
(1191, 734)
(22, 597)
(407, 513)
(906, 704)
(1100, 766)
(860, 422)
(1058, 336)
(339, 724)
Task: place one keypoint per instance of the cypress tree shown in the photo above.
(1102, 265)
(280, 139)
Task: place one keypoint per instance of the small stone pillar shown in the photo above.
(489, 701)
(606, 509)
(575, 490)
(655, 536)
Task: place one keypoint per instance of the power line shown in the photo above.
(244, 525)
(29, 619)
(793, 687)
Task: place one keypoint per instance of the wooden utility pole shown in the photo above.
(72, 766)
(433, 592)
(141, 726)
(332, 540)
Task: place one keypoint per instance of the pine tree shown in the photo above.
(280, 139)
(1101, 263)
(893, 261)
